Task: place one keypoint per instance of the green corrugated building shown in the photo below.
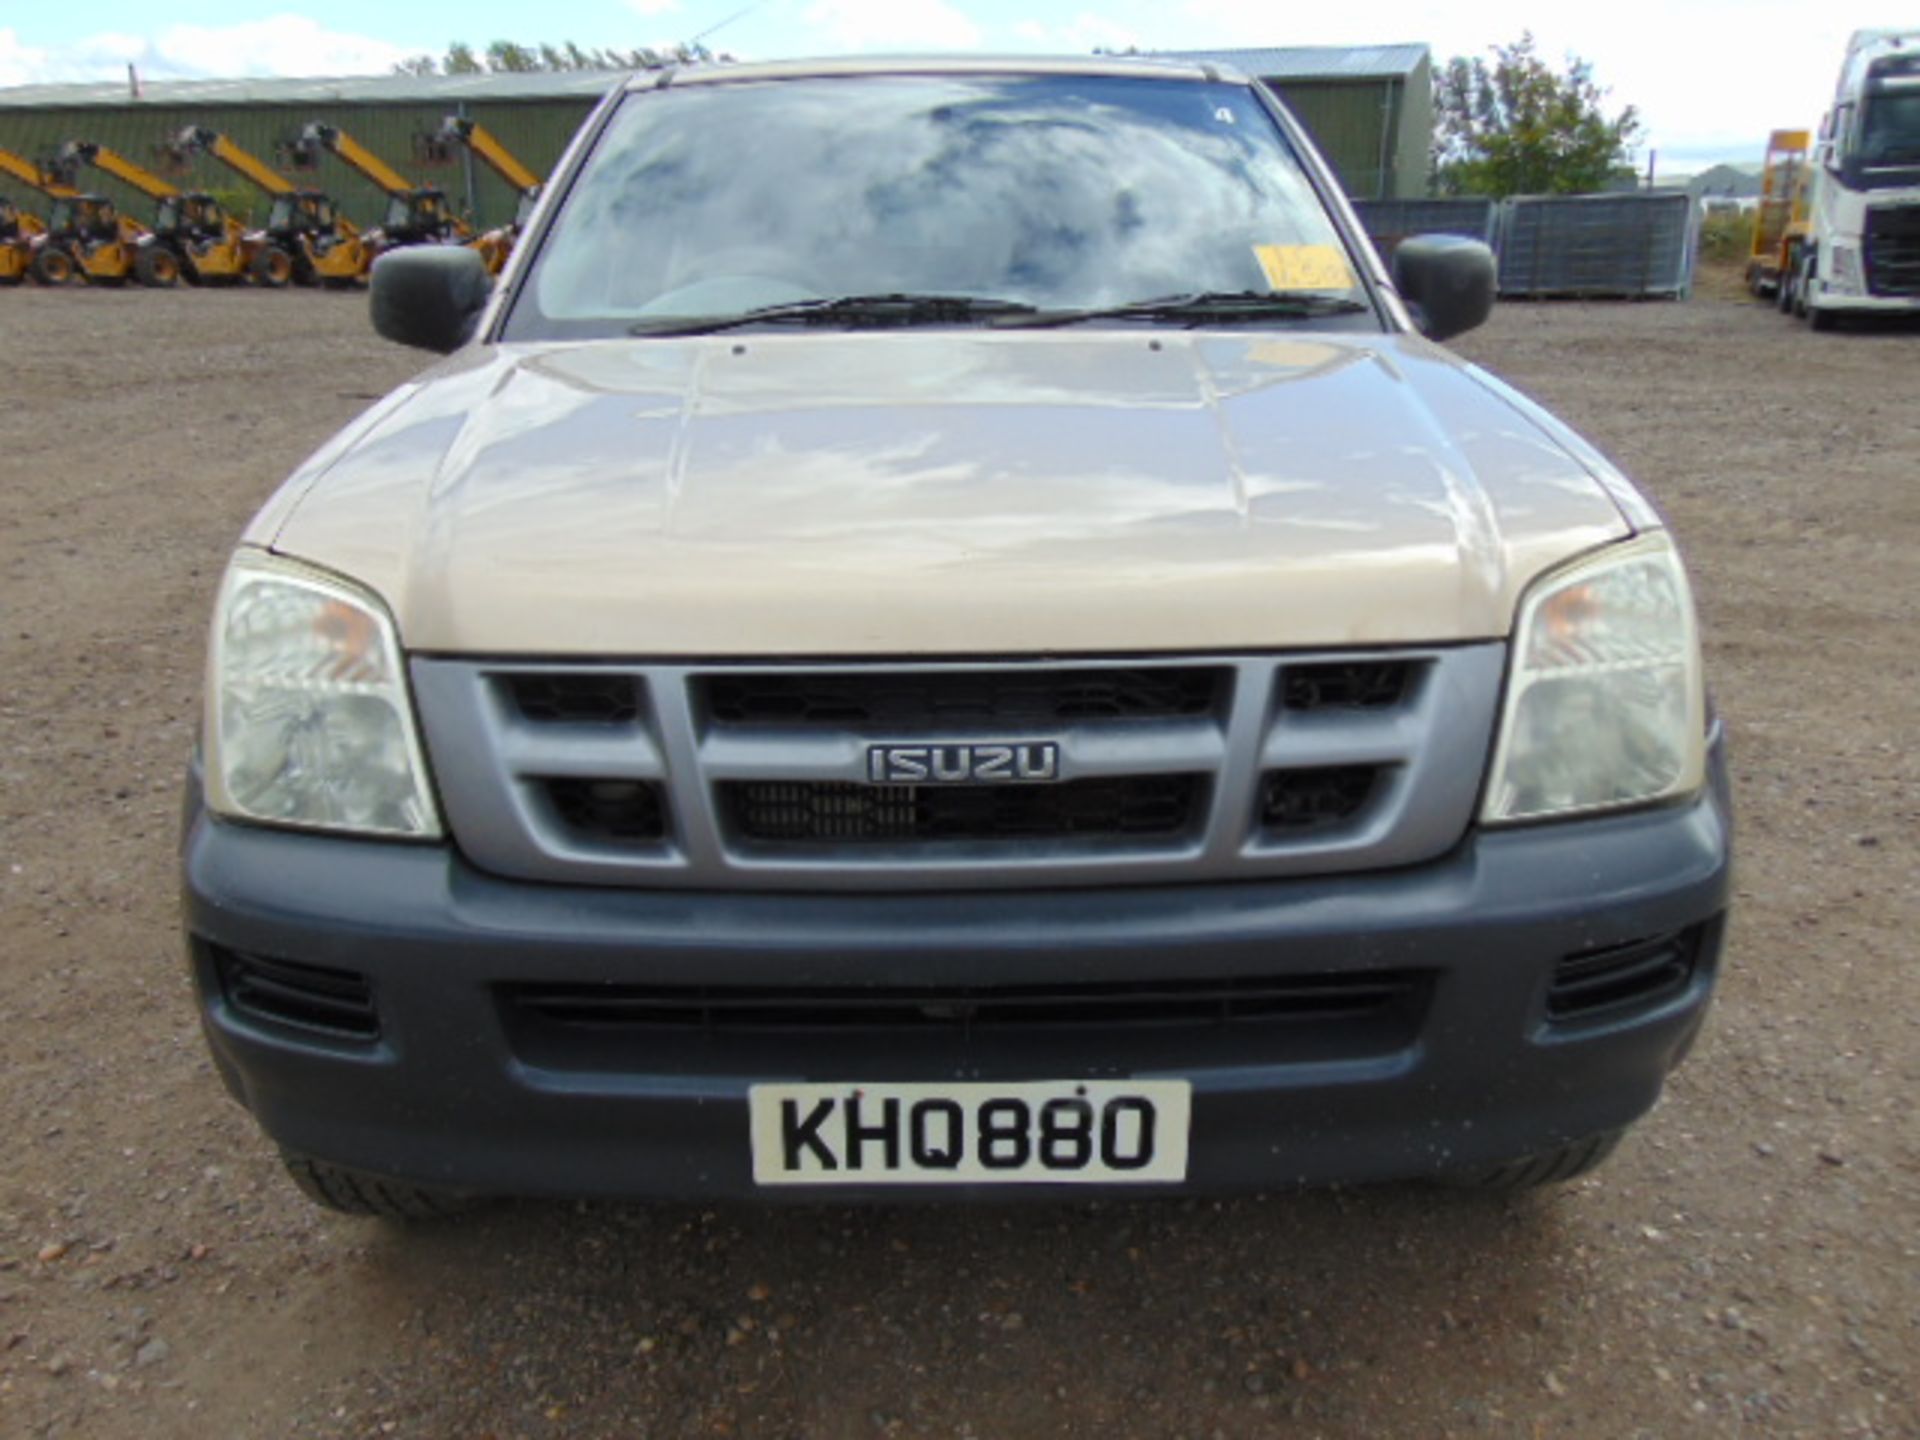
(395, 116)
(1368, 107)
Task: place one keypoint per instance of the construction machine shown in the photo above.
(306, 238)
(23, 235)
(497, 244)
(193, 237)
(416, 214)
(85, 234)
(1860, 253)
(1780, 221)
(17, 231)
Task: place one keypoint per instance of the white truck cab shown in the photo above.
(1862, 251)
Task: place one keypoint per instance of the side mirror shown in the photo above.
(429, 296)
(1448, 281)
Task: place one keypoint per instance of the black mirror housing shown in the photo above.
(429, 296)
(1448, 281)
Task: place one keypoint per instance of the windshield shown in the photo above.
(1059, 192)
(1890, 133)
(399, 213)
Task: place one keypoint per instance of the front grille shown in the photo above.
(1347, 685)
(775, 812)
(575, 698)
(620, 812)
(764, 776)
(909, 700)
(1295, 801)
(334, 1004)
(1892, 251)
(1615, 979)
(1330, 999)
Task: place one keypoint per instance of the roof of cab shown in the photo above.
(851, 65)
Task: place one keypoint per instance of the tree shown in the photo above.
(510, 57)
(1517, 127)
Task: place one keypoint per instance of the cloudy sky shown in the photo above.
(1710, 77)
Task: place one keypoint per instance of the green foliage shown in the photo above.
(1518, 127)
(238, 201)
(1726, 237)
(510, 57)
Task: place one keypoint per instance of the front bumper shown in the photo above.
(460, 1090)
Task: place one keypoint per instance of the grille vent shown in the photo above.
(575, 698)
(919, 700)
(1320, 998)
(829, 813)
(621, 812)
(1616, 979)
(1295, 802)
(1348, 685)
(334, 1004)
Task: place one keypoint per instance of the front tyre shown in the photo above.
(272, 267)
(156, 266)
(1549, 1167)
(52, 267)
(355, 1192)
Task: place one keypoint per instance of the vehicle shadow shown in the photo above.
(1346, 1307)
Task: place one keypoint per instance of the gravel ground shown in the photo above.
(1749, 1263)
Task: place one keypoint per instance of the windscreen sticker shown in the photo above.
(1304, 267)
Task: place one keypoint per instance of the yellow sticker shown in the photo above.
(1304, 267)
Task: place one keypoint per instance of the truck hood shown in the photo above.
(913, 493)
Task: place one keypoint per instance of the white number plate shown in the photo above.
(1068, 1132)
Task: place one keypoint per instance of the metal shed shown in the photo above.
(393, 115)
(1368, 107)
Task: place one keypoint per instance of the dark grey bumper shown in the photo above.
(455, 1091)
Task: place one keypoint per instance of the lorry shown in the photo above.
(1860, 253)
(948, 628)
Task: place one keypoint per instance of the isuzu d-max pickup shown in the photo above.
(948, 626)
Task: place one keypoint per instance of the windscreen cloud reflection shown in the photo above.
(1055, 191)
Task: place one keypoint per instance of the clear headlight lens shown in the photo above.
(1605, 704)
(308, 718)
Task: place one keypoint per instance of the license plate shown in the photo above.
(1068, 1132)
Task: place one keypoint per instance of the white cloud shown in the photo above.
(277, 45)
(891, 25)
(1083, 34)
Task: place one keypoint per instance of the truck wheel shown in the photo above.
(354, 1192)
(157, 266)
(52, 267)
(1550, 1167)
(272, 267)
(1786, 288)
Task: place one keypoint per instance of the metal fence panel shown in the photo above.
(1629, 246)
(1389, 222)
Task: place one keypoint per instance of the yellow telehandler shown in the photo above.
(496, 245)
(416, 214)
(192, 237)
(23, 235)
(306, 239)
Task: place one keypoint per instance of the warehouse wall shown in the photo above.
(1376, 132)
(535, 130)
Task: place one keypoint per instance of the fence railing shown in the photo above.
(1634, 246)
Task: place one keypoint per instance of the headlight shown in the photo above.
(308, 720)
(1605, 704)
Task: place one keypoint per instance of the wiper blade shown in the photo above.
(1202, 307)
(896, 308)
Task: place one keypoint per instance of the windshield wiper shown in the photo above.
(852, 310)
(1202, 307)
